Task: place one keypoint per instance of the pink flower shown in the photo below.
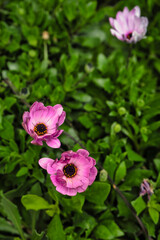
(42, 123)
(129, 26)
(73, 173)
(146, 189)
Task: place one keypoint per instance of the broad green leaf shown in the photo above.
(113, 228)
(37, 236)
(98, 192)
(102, 62)
(34, 202)
(22, 171)
(73, 204)
(86, 222)
(121, 172)
(102, 232)
(139, 205)
(133, 156)
(55, 229)
(12, 213)
(8, 131)
(6, 226)
(154, 215)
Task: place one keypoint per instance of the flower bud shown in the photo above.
(24, 93)
(140, 103)
(117, 128)
(144, 130)
(32, 53)
(103, 175)
(121, 111)
(145, 188)
(45, 35)
(89, 68)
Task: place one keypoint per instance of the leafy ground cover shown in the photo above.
(110, 92)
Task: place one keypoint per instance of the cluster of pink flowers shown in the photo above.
(75, 171)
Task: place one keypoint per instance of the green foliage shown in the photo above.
(110, 92)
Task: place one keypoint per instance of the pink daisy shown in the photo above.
(42, 123)
(129, 26)
(73, 173)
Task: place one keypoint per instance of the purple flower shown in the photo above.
(146, 189)
(42, 123)
(129, 26)
(73, 173)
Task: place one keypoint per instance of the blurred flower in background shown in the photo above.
(129, 26)
(45, 35)
(73, 173)
(146, 189)
(42, 123)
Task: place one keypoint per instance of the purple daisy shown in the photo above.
(129, 26)
(42, 123)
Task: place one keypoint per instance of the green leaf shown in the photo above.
(85, 221)
(102, 232)
(98, 192)
(121, 172)
(22, 171)
(113, 228)
(133, 156)
(37, 236)
(34, 202)
(90, 9)
(73, 204)
(12, 214)
(139, 205)
(70, 9)
(55, 229)
(102, 63)
(9, 102)
(81, 97)
(154, 214)
(6, 226)
(85, 121)
(104, 83)
(8, 131)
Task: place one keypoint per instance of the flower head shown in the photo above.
(129, 26)
(42, 123)
(45, 35)
(73, 173)
(146, 188)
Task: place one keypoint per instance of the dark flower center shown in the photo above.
(40, 129)
(129, 36)
(70, 170)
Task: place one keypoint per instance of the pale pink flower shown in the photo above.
(129, 26)
(42, 123)
(73, 173)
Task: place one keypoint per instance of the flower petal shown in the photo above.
(37, 142)
(62, 118)
(43, 162)
(92, 175)
(116, 34)
(53, 143)
(83, 152)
